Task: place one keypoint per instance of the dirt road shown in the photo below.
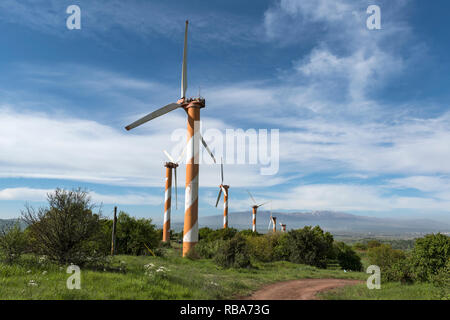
(305, 289)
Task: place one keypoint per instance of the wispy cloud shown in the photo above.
(40, 195)
(144, 19)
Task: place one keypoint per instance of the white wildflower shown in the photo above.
(32, 283)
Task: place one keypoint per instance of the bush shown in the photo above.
(389, 261)
(208, 249)
(347, 258)
(204, 233)
(401, 270)
(67, 231)
(430, 255)
(249, 233)
(262, 248)
(373, 244)
(309, 246)
(360, 246)
(132, 234)
(13, 242)
(442, 278)
(233, 253)
(208, 234)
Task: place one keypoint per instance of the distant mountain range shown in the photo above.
(327, 220)
(4, 222)
(335, 222)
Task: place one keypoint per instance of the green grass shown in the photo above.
(187, 279)
(388, 291)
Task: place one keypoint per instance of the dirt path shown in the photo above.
(305, 289)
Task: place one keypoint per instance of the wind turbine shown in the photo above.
(272, 220)
(223, 188)
(255, 209)
(170, 166)
(192, 107)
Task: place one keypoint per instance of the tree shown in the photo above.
(347, 257)
(13, 241)
(67, 230)
(373, 244)
(309, 246)
(134, 234)
(384, 256)
(233, 253)
(430, 255)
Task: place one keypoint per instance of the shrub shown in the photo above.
(13, 242)
(208, 249)
(401, 270)
(387, 258)
(430, 255)
(442, 278)
(263, 248)
(360, 246)
(67, 231)
(233, 253)
(219, 234)
(347, 258)
(204, 233)
(309, 246)
(133, 233)
(249, 233)
(373, 244)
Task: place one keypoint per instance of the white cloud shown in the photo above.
(353, 197)
(40, 195)
(41, 146)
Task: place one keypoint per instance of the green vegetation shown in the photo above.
(13, 242)
(67, 231)
(136, 277)
(131, 234)
(226, 263)
(347, 258)
(388, 291)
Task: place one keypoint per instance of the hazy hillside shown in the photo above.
(9, 221)
(328, 220)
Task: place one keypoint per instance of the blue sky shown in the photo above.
(363, 115)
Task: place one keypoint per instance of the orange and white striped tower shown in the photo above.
(192, 108)
(255, 208)
(274, 221)
(168, 200)
(190, 231)
(225, 205)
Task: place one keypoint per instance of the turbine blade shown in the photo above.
(218, 197)
(207, 149)
(260, 205)
(184, 66)
(168, 156)
(251, 196)
(153, 115)
(182, 153)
